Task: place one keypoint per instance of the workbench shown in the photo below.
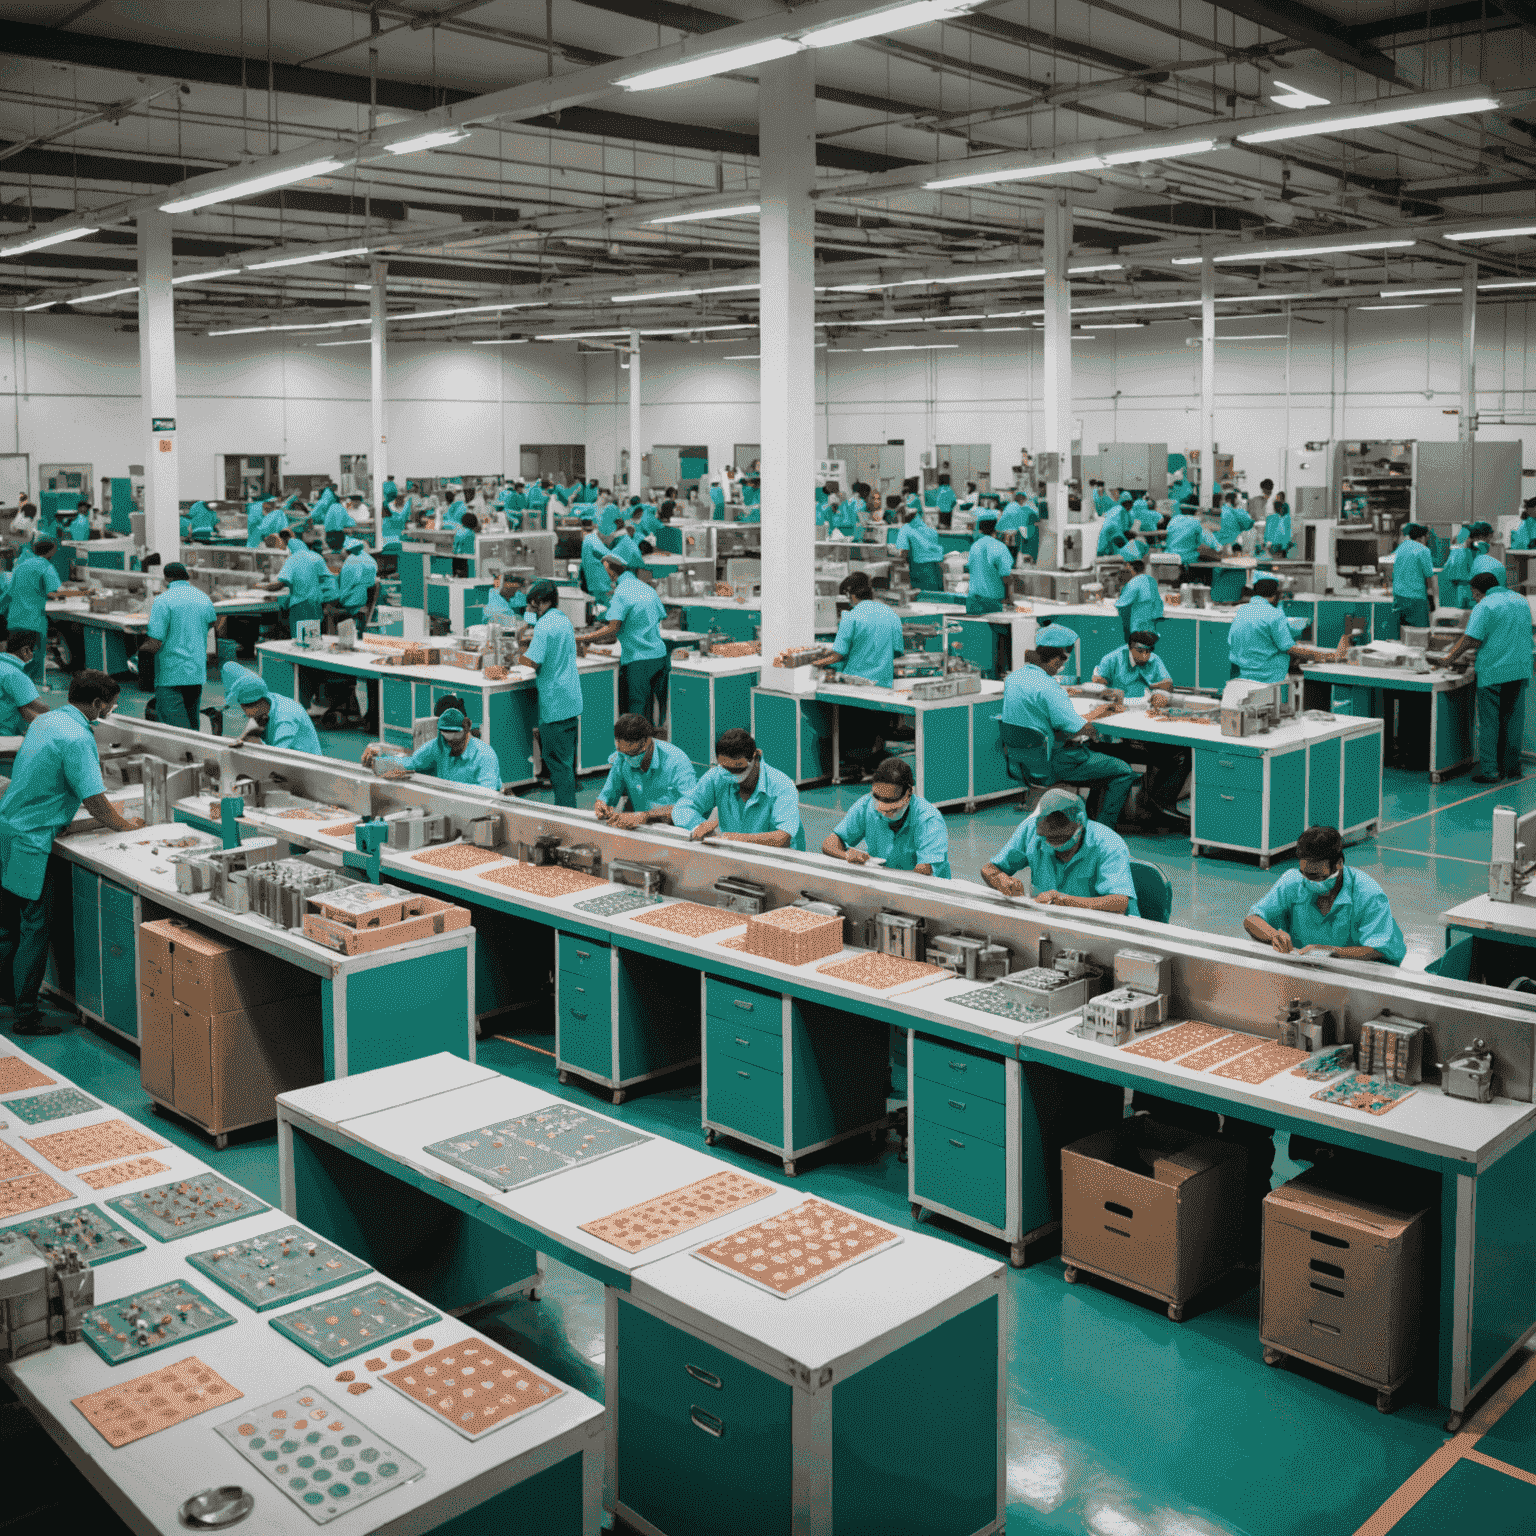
(540, 1473)
(815, 1412)
(506, 712)
(1258, 794)
(1367, 691)
(110, 639)
(709, 694)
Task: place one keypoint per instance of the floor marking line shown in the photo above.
(1449, 806)
(1508, 1394)
(1501, 1466)
(1398, 1504)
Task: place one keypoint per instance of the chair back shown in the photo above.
(1026, 753)
(1154, 891)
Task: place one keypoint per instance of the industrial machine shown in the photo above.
(1512, 856)
(1138, 1001)
(1304, 1026)
(1469, 1074)
(1250, 709)
(44, 1296)
(970, 955)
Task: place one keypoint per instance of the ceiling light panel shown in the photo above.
(252, 185)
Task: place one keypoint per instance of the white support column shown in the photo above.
(378, 449)
(1056, 381)
(1466, 419)
(635, 449)
(786, 111)
(157, 387)
(1207, 380)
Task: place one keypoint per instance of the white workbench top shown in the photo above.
(368, 662)
(749, 605)
(1437, 680)
(716, 666)
(1516, 918)
(1283, 738)
(79, 610)
(901, 697)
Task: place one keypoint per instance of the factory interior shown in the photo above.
(907, 623)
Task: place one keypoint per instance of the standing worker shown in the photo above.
(454, 754)
(1139, 600)
(634, 615)
(552, 655)
(273, 721)
(925, 555)
(179, 621)
(304, 574)
(895, 824)
(868, 641)
(57, 769)
(742, 799)
(1278, 542)
(989, 565)
(1413, 578)
(1235, 522)
(1482, 560)
(1262, 641)
(1189, 539)
(33, 578)
(506, 602)
(337, 525)
(1524, 535)
(1498, 635)
(652, 775)
(1456, 573)
(358, 577)
(594, 550)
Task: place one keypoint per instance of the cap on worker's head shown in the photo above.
(1061, 802)
(1055, 637)
(543, 592)
(451, 721)
(176, 571)
(1266, 586)
(354, 546)
(241, 685)
(1482, 530)
(987, 518)
(618, 562)
(1125, 498)
(1415, 531)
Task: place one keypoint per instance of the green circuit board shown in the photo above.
(85, 1228)
(138, 1325)
(274, 1267)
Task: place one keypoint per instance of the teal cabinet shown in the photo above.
(1177, 644)
(87, 915)
(105, 966)
(794, 734)
(599, 709)
(277, 674)
(703, 704)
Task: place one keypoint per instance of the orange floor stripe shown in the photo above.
(1502, 1466)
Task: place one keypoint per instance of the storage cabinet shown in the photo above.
(106, 920)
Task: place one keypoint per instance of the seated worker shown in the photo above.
(506, 602)
(1135, 668)
(1482, 560)
(1322, 905)
(1139, 601)
(1115, 527)
(1021, 514)
(1143, 516)
(1103, 502)
(625, 548)
(843, 514)
(1498, 637)
(454, 753)
(453, 513)
(594, 550)
(1262, 642)
(717, 501)
(464, 543)
(988, 564)
(274, 721)
(1189, 539)
(1235, 522)
(894, 823)
(1413, 578)
(650, 523)
(1524, 535)
(1278, 542)
(338, 524)
(944, 499)
(19, 705)
(1072, 862)
(202, 520)
(609, 515)
(1032, 697)
(272, 519)
(654, 775)
(869, 637)
(80, 524)
(826, 509)
(925, 555)
(397, 518)
(634, 617)
(742, 799)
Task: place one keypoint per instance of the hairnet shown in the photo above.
(241, 685)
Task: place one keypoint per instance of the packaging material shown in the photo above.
(1341, 1282)
(155, 1045)
(362, 906)
(211, 974)
(793, 936)
(230, 1066)
(421, 917)
(1154, 1207)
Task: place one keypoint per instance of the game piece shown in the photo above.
(85, 1228)
(30, 1192)
(1375, 1095)
(276, 1267)
(1176, 1041)
(58, 1105)
(16, 1074)
(346, 1325)
(375, 1364)
(187, 1206)
(474, 1386)
(140, 1324)
(533, 1146)
(1255, 1067)
(130, 1410)
(92, 1144)
(642, 1226)
(359, 1387)
(783, 1255)
(318, 1454)
(123, 1173)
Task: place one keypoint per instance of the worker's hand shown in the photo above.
(1281, 942)
(1313, 949)
(1052, 899)
(625, 821)
(1343, 646)
(370, 752)
(132, 823)
(601, 811)
(704, 829)
(856, 856)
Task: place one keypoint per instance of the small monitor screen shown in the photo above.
(1354, 552)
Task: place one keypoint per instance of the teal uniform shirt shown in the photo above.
(273, 522)
(1412, 566)
(1234, 524)
(1100, 866)
(512, 500)
(32, 579)
(289, 725)
(609, 518)
(824, 510)
(553, 647)
(330, 588)
(1143, 515)
(305, 574)
(920, 837)
(1120, 672)
(505, 611)
(753, 513)
(717, 500)
(751, 494)
(1140, 603)
(669, 779)
(5, 595)
(1485, 562)
(394, 527)
(599, 583)
(537, 498)
(651, 524)
(845, 516)
(1360, 915)
(464, 541)
(1113, 527)
(988, 564)
(57, 767)
(1260, 642)
(80, 528)
(628, 551)
(338, 519)
(773, 805)
(389, 490)
(16, 691)
(1187, 536)
(1525, 534)
(202, 519)
(869, 638)
(639, 613)
(455, 511)
(1033, 698)
(1103, 502)
(920, 542)
(180, 618)
(944, 498)
(1017, 514)
(358, 574)
(476, 764)
(1277, 533)
(1456, 573)
(1502, 622)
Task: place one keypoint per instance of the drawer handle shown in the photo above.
(955, 1143)
(700, 1374)
(743, 1074)
(576, 1013)
(707, 1422)
(741, 1004)
(740, 1041)
(583, 954)
(957, 1104)
(1225, 762)
(1229, 797)
(958, 1066)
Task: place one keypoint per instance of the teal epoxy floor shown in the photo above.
(1120, 1423)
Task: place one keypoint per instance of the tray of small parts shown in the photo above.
(617, 903)
(275, 1267)
(140, 1324)
(1004, 1002)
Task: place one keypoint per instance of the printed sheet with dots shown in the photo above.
(273, 1267)
(346, 1325)
(473, 1386)
(172, 1313)
(784, 1255)
(130, 1410)
(317, 1454)
(531, 1147)
(16, 1074)
(58, 1105)
(91, 1144)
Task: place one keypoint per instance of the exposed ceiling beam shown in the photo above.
(1475, 15)
(1291, 19)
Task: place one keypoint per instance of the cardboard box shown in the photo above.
(155, 1042)
(1157, 1208)
(214, 975)
(1341, 1281)
(422, 916)
(794, 936)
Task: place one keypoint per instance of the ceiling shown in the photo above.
(106, 102)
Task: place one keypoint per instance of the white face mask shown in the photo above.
(893, 810)
(742, 775)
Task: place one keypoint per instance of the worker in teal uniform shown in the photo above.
(537, 496)
(304, 573)
(202, 520)
(594, 550)
(33, 580)
(1482, 560)
(1020, 512)
(80, 524)
(1278, 542)
(1143, 516)
(634, 615)
(609, 515)
(552, 655)
(1032, 697)
(1103, 502)
(389, 490)
(1524, 535)
(988, 564)
(453, 513)
(1235, 522)
(650, 523)
(1413, 578)
(1262, 641)
(454, 754)
(652, 775)
(1456, 573)
(752, 491)
(845, 515)
(752, 512)
(868, 638)
(1072, 861)
(1115, 528)
(506, 602)
(742, 799)
(1188, 538)
(625, 548)
(826, 509)
(19, 701)
(893, 510)
(337, 524)
(359, 576)
(925, 555)
(464, 539)
(397, 519)
(1324, 906)
(717, 502)
(511, 497)
(944, 496)
(56, 771)
(179, 621)
(271, 720)
(1498, 638)
(894, 823)
(271, 521)
(1135, 669)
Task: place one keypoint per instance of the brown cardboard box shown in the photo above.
(214, 975)
(1341, 1281)
(155, 949)
(230, 1066)
(1168, 1224)
(155, 1042)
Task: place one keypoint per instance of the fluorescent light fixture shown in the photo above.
(1108, 266)
(1346, 121)
(501, 341)
(1416, 293)
(1363, 307)
(42, 242)
(299, 261)
(315, 325)
(927, 346)
(205, 277)
(679, 293)
(361, 341)
(1114, 325)
(740, 357)
(1018, 173)
(688, 330)
(1504, 233)
(467, 309)
(94, 298)
(742, 211)
(1295, 98)
(252, 185)
(1079, 336)
(704, 65)
(1140, 156)
(32, 309)
(1314, 250)
(991, 277)
(878, 23)
(1262, 336)
(577, 335)
(1524, 282)
(436, 139)
(992, 330)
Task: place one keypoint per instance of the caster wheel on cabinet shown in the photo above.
(533, 1295)
(1384, 1403)
(1016, 1255)
(789, 1168)
(565, 1077)
(1273, 1357)
(1454, 1423)
(917, 1211)
(1069, 1275)
(1176, 1312)
(618, 1097)
(709, 1138)
(221, 1142)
